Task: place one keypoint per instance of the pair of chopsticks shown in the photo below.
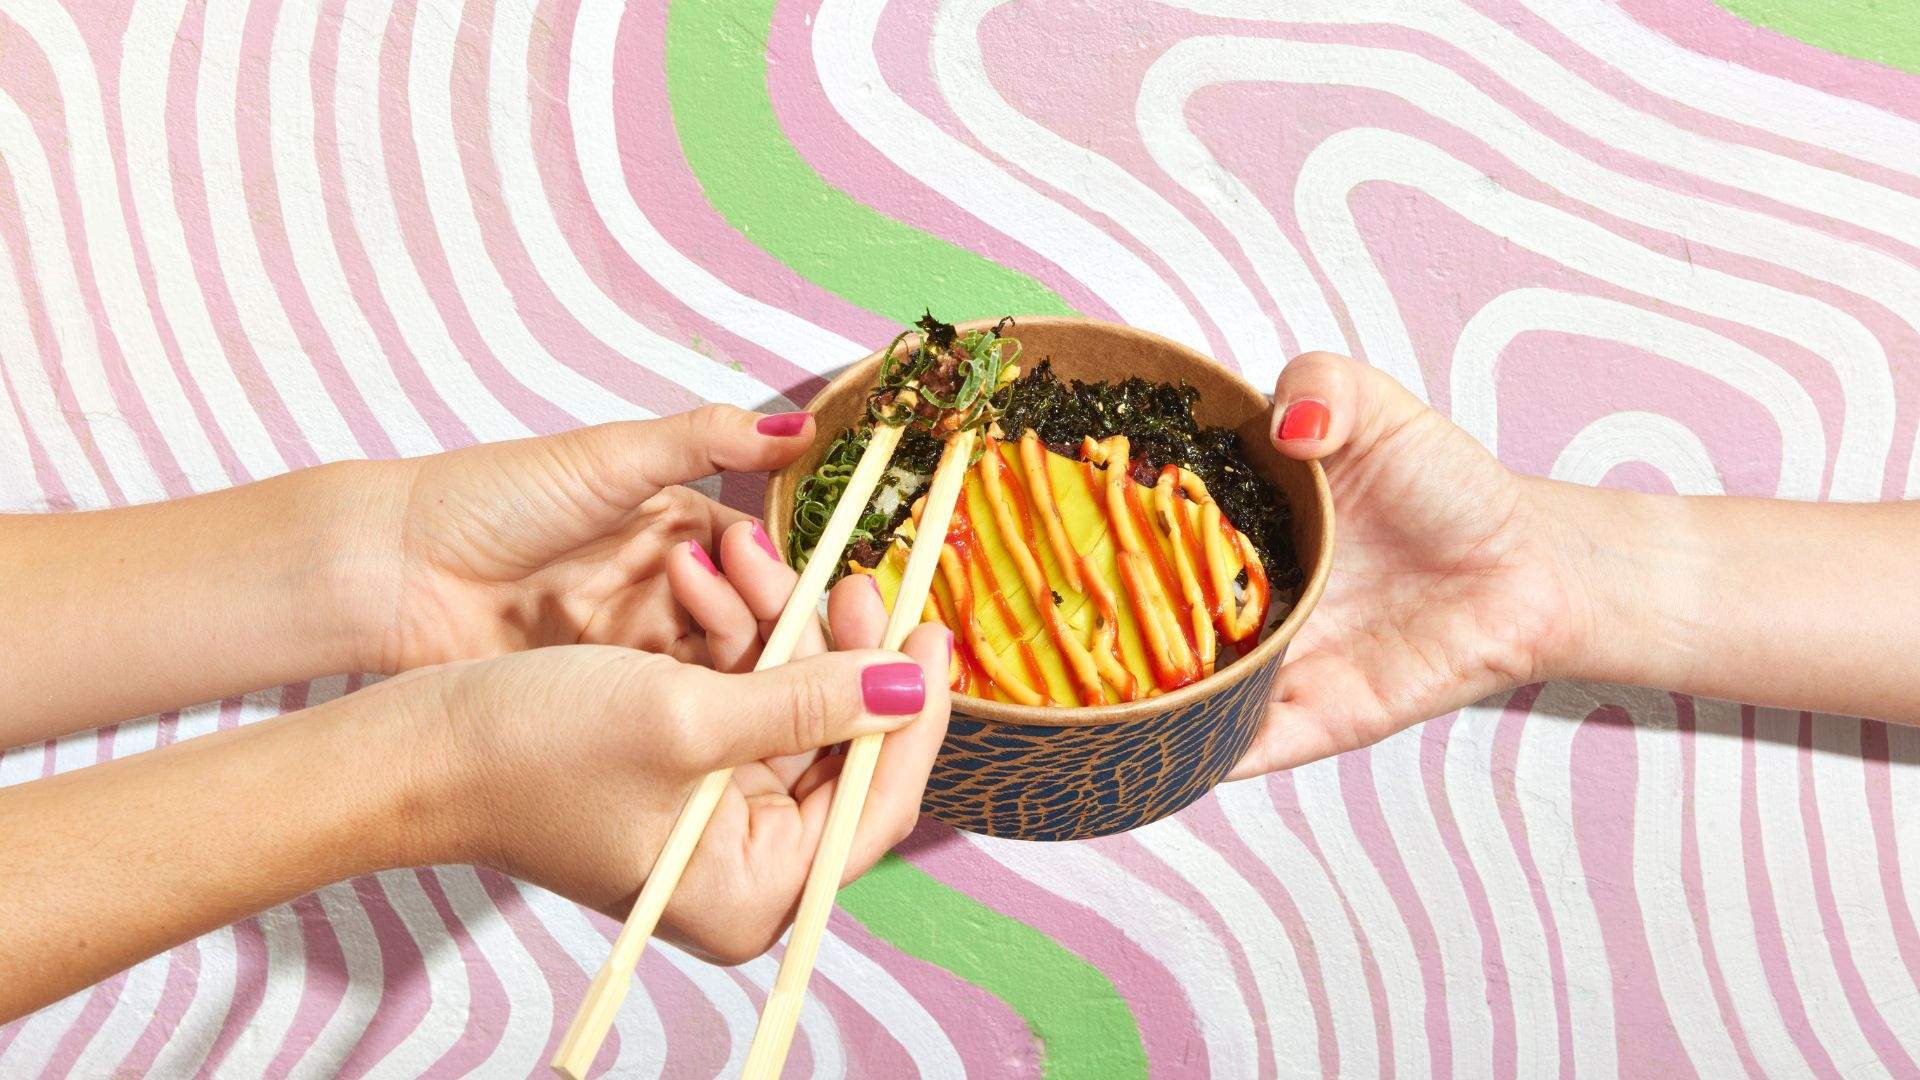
(773, 1037)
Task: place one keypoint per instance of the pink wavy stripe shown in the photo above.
(1361, 798)
(697, 1035)
(1603, 770)
(1886, 1045)
(1506, 753)
(800, 1056)
(1433, 760)
(1693, 882)
(406, 996)
(487, 1005)
(1766, 919)
(53, 490)
(447, 427)
(1206, 814)
(1875, 764)
(73, 1042)
(107, 63)
(868, 1046)
(264, 211)
(1286, 803)
(1597, 71)
(1155, 872)
(1168, 1028)
(321, 991)
(670, 198)
(545, 317)
(991, 1039)
(565, 981)
(183, 981)
(851, 164)
(1716, 32)
(190, 202)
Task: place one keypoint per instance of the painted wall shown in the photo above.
(1656, 247)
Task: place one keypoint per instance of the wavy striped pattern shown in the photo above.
(1649, 246)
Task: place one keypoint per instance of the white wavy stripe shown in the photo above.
(643, 1038)
(529, 1015)
(1160, 112)
(1358, 155)
(1317, 787)
(448, 991)
(371, 203)
(34, 394)
(1399, 783)
(816, 1023)
(20, 491)
(875, 990)
(109, 247)
(54, 274)
(1250, 812)
(1853, 873)
(736, 1009)
(242, 271)
(1541, 782)
(186, 1049)
(1815, 254)
(1717, 775)
(489, 302)
(1466, 767)
(146, 60)
(849, 72)
(1661, 441)
(596, 140)
(1279, 986)
(1734, 92)
(511, 124)
(363, 989)
(1154, 923)
(1803, 932)
(1903, 795)
(1104, 187)
(1613, 123)
(1476, 355)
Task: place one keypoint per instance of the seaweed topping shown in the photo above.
(1158, 421)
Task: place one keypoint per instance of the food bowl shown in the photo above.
(1045, 773)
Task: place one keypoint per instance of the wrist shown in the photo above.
(355, 540)
(413, 801)
(1631, 564)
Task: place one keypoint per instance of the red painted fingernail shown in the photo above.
(1304, 419)
(783, 425)
(893, 689)
(766, 542)
(700, 556)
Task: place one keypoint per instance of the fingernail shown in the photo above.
(893, 689)
(766, 542)
(874, 580)
(783, 425)
(700, 556)
(1304, 419)
(949, 648)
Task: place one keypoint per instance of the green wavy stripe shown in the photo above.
(1084, 1027)
(1883, 31)
(716, 85)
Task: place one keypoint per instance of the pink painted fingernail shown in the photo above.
(700, 556)
(1304, 419)
(783, 425)
(893, 689)
(766, 542)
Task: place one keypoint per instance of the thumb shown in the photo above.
(800, 706)
(1325, 401)
(639, 457)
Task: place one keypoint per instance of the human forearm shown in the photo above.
(117, 613)
(118, 861)
(1798, 605)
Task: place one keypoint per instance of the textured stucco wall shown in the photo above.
(1658, 247)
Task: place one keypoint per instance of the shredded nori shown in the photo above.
(1156, 418)
(1158, 421)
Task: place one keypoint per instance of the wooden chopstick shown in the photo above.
(581, 1044)
(771, 1039)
